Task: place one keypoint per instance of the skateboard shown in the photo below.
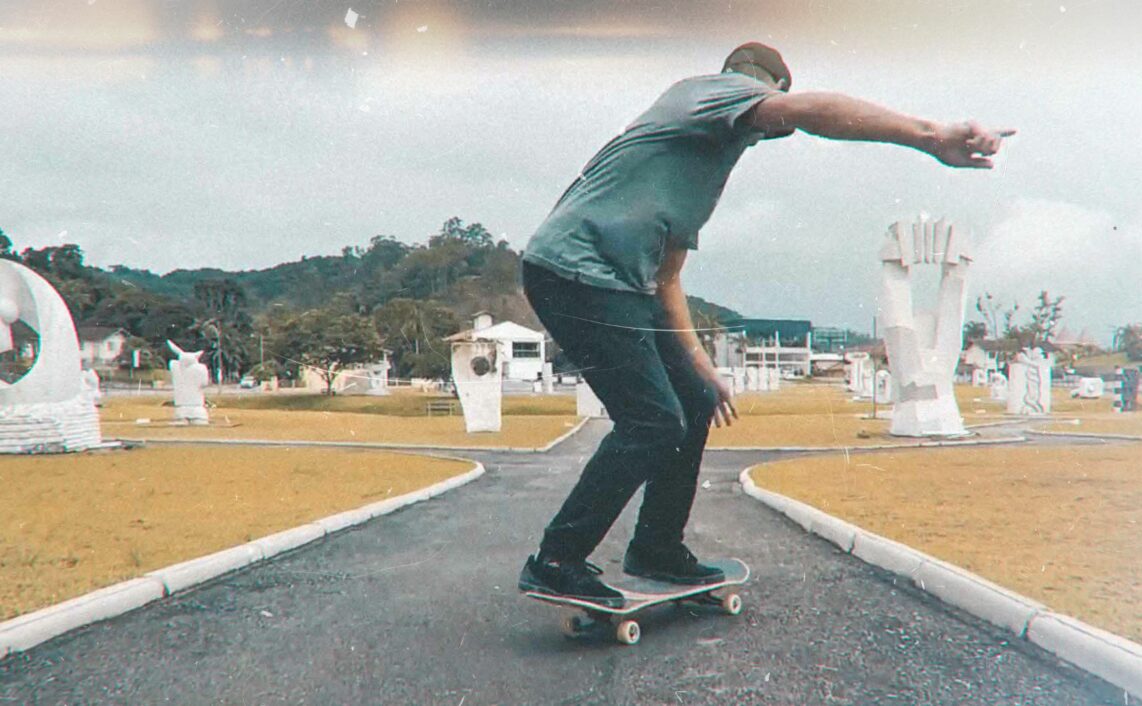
(639, 593)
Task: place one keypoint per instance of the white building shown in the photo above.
(523, 349)
(100, 346)
(365, 379)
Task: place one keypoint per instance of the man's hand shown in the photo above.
(725, 411)
(967, 144)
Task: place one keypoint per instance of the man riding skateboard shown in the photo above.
(603, 274)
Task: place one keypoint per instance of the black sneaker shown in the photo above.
(674, 564)
(569, 579)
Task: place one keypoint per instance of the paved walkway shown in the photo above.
(420, 607)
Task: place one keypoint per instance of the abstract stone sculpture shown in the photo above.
(1126, 388)
(479, 383)
(49, 409)
(859, 377)
(924, 346)
(998, 387)
(884, 389)
(587, 404)
(189, 378)
(1029, 386)
(1089, 388)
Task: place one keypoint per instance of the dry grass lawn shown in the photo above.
(1058, 524)
(72, 524)
(1120, 423)
(119, 417)
(826, 415)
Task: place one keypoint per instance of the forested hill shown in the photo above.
(392, 294)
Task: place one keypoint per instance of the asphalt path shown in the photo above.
(421, 607)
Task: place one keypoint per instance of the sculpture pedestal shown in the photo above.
(50, 427)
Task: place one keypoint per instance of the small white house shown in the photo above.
(100, 346)
(524, 349)
(365, 379)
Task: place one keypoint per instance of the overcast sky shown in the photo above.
(241, 133)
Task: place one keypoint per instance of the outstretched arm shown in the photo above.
(842, 117)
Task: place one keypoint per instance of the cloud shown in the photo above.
(1090, 256)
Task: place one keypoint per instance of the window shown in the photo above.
(523, 349)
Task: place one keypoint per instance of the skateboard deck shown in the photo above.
(639, 593)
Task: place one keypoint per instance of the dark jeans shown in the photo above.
(661, 409)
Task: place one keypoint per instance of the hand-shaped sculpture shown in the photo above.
(924, 346)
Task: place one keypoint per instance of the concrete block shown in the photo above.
(835, 530)
(196, 571)
(29, 630)
(343, 520)
(384, 507)
(801, 513)
(290, 539)
(977, 595)
(775, 501)
(888, 555)
(1108, 656)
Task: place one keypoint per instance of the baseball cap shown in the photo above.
(759, 61)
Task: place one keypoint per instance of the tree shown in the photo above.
(1045, 319)
(992, 312)
(325, 341)
(221, 297)
(1128, 340)
(975, 331)
(474, 236)
(6, 247)
(223, 325)
(414, 331)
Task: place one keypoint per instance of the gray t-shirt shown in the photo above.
(654, 184)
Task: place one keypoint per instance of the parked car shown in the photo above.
(248, 382)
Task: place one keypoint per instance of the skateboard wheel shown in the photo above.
(628, 632)
(732, 604)
(572, 625)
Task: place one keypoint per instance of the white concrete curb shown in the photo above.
(27, 631)
(359, 444)
(1107, 656)
(878, 447)
(1086, 435)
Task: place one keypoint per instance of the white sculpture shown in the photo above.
(859, 376)
(189, 378)
(924, 346)
(477, 373)
(884, 391)
(753, 379)
(548, 379)
(772, 378)
(1029, 389)
(49, 408)
(998, 387)
(734, 378)
(91, 383)
(587, 404)
(1089, 388)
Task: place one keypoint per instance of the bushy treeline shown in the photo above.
(329, 311)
